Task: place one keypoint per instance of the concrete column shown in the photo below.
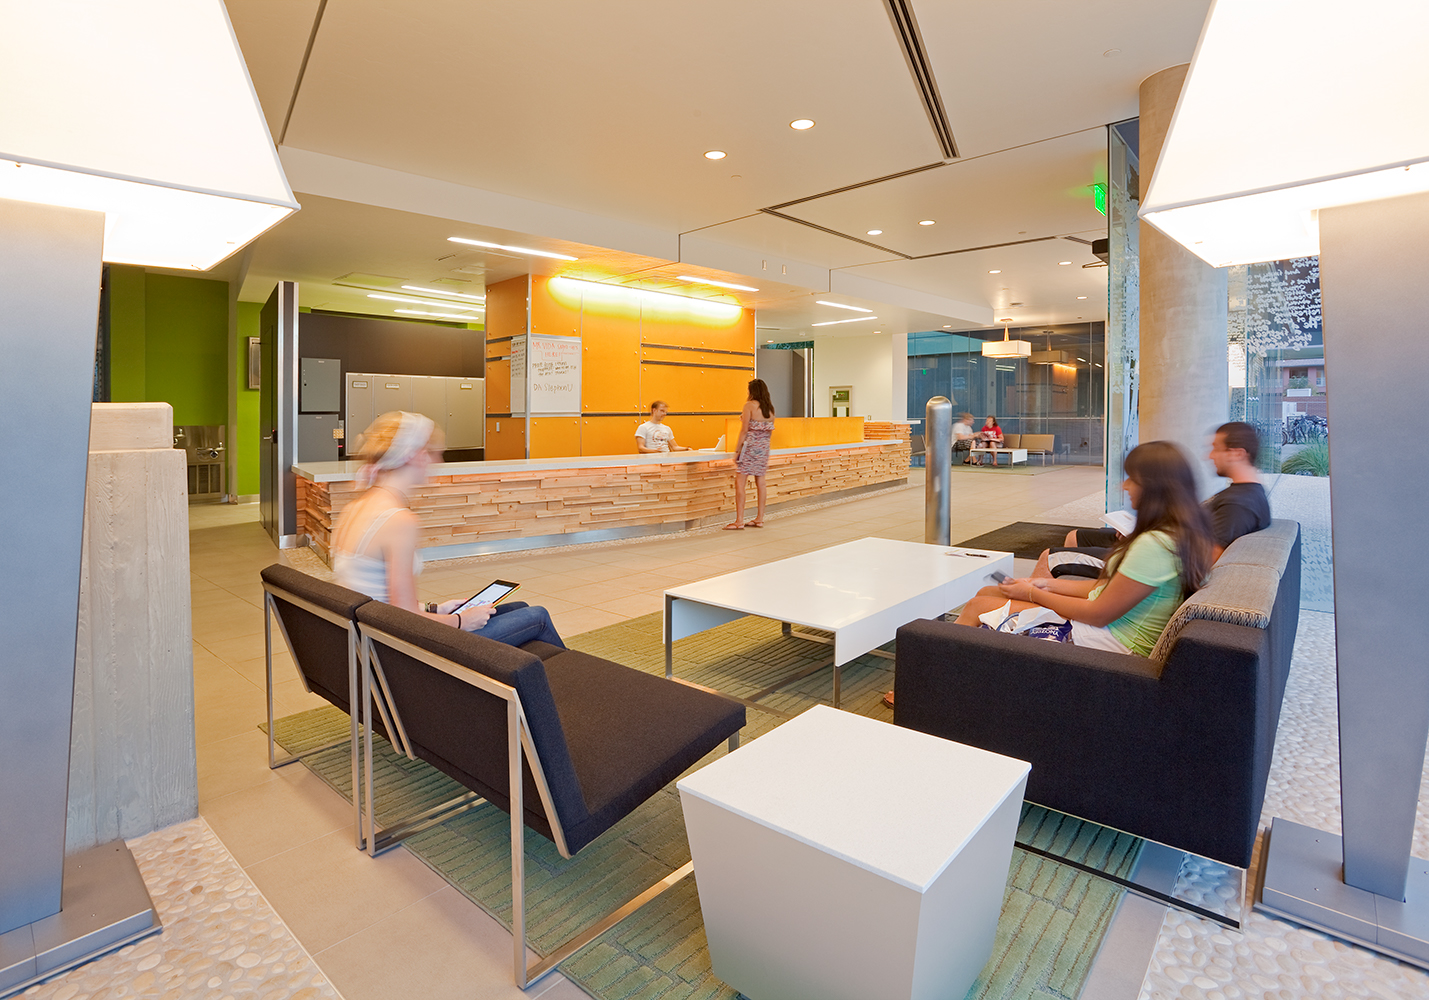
(1184, 379)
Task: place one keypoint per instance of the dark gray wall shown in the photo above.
(389, 347)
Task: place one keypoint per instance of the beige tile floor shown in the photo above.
(389, 928)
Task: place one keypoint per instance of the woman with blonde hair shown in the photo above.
(751, 452)
(374, 549)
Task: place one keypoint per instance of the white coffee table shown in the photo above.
(1014, 455)
(861, 591)
(843, 858)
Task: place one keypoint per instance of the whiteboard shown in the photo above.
(554, 374)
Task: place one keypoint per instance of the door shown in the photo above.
(277, 414)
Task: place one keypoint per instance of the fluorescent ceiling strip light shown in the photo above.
(423, 302)
(614, 292)
(502, 246)
(840, 305)
(423, 312)
(856, 319)
(717, 284)
(438, 291)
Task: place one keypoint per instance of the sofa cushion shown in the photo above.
(319, 647)
(1268, 547)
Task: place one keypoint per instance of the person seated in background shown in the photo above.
(989, 436)
(374, 546)
(1147, 575)
(963, 437)
(653, 437)
(1239, 509)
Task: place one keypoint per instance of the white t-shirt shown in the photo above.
(653, 435)
(961, 430)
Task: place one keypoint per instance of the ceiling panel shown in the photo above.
(1016, 71)
(273, 37)
(1031, 275)
(1041, 189)
(610, 107)
(781, 238)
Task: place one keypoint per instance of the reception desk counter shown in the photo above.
(469, 508)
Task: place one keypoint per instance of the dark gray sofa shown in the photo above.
(1175, 748)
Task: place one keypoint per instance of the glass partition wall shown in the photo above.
(1060, 390)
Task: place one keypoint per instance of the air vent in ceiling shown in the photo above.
(905, 26)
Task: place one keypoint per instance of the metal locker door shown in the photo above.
(391, 392)
(429, 398)
(319, 385)
(466, 413)
(359, 410)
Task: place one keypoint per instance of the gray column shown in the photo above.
(49, 312)
(1184, 382)
(1376, 309)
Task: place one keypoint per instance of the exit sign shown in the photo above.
(1099, 196)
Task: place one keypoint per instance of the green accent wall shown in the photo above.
(246, 444)
(168, 342)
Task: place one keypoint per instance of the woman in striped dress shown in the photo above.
(751, 454)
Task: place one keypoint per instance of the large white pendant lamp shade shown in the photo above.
(1291, 106)
(143, 110)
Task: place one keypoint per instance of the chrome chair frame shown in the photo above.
(270, 614)
(518, 739)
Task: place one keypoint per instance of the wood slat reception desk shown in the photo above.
(469, 508)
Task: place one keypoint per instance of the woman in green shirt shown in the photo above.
(1149, 573)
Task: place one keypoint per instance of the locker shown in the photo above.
(319, 385)
(315, 440)
(359, 410)
(391, 392)
(429, 397)
(466, 413)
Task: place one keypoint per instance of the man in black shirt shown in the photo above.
(1239, 509)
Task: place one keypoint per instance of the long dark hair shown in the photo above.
(759, 392)
(1168, 503)
(994, 421)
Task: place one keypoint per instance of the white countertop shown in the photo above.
(341, 472)
(893, 801)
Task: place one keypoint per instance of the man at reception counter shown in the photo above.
(653, 437)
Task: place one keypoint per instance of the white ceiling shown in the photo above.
(541, 123)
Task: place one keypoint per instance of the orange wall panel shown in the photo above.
(696, 389)
(610, 364)
(801, 432)
(550, 316)
(556, 437)
(608, 435)
(498, 386)
(505, 438)
(696, 432)
(506, 308)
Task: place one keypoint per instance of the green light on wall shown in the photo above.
(1099, 196)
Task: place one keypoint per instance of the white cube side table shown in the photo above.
(842, 857)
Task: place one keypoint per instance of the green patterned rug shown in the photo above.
(1053, 918)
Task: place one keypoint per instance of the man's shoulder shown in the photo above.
(1242, 494)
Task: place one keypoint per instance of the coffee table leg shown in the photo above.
(786, 629)
(838, 676)
(669, 655)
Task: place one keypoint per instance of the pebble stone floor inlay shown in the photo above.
(1197, 959)
(221, 939)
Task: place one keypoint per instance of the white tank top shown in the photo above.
(367, 574)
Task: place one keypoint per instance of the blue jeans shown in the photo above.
(516, 623)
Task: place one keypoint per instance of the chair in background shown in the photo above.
(600, 739)
(1040, 444)
(1012, 441)
(918, 452)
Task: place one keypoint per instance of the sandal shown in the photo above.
(754, 524)
(888, 699)
(736, 526)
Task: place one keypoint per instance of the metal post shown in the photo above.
(938, 446)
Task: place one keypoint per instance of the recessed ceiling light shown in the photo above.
(947, 326)
(423, 312)
(840, 305)
(995, 271)
(502, 246)
(718, 284)
(856, 319)
(769, 341)
(1063, 262)
(1081, 296)
(801, 124)
(438, 291)
(926, 222)
(715, 154)
(875, 232)
(423, 302)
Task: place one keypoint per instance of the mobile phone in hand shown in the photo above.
(998, 575)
